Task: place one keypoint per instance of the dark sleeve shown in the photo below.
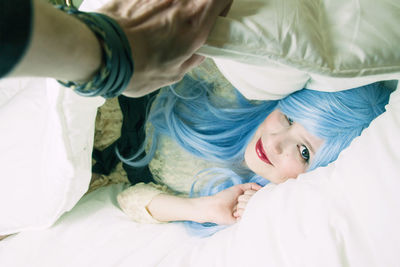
(15, 30)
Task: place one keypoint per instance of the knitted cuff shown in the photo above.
(134, 200)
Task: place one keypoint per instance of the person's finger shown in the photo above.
(250, 192)
(240, 212)
(250, 186)
(241, 205)
(234, 211)
(244, 198)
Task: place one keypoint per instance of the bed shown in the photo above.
(346, 214)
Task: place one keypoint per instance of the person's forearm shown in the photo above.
(167, 208)
(61, 47)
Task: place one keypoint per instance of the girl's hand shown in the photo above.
(225, 207)
(242, 203)
(228, 205)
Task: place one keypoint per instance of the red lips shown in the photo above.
(261, 152)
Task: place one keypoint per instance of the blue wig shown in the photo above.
(218, 130)
(337, 117)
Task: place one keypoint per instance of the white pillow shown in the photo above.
(46, 142)
(270, 48)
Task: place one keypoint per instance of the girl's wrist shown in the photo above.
(203, 209)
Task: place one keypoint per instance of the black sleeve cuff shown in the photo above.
(15, 32)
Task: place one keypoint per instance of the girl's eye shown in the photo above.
(290, 121)
(305, 153)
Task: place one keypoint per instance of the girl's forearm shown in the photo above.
(61, 47)
(167, 208)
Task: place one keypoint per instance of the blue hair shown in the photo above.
(215, 129)
(337, 117)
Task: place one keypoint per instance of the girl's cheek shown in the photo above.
(293, 168)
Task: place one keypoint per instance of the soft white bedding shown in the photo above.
(334, 216)
(46, 142)
(47, 130)
(269, 48)
(344, 215)
(96, 233)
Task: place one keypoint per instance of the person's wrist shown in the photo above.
(117, 68)
(203, 209)
(53, 50)
(90, 59)
(88, 53)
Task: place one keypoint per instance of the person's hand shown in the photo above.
(164, 35)
(229, 204)
(243, 199)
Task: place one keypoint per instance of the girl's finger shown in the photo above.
(250, 192)
(241, 205)
(240, 212)
(250, 186)
(244, 198)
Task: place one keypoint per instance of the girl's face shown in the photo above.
(281, 149)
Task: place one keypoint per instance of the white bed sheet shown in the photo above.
(95, 233)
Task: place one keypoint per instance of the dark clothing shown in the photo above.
(15, 32)
(132, 137)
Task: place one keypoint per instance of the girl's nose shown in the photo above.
(277, 143)
(281, 142)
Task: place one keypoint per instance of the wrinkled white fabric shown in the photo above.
(270, 48)
(346, 214)
(46, 143)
